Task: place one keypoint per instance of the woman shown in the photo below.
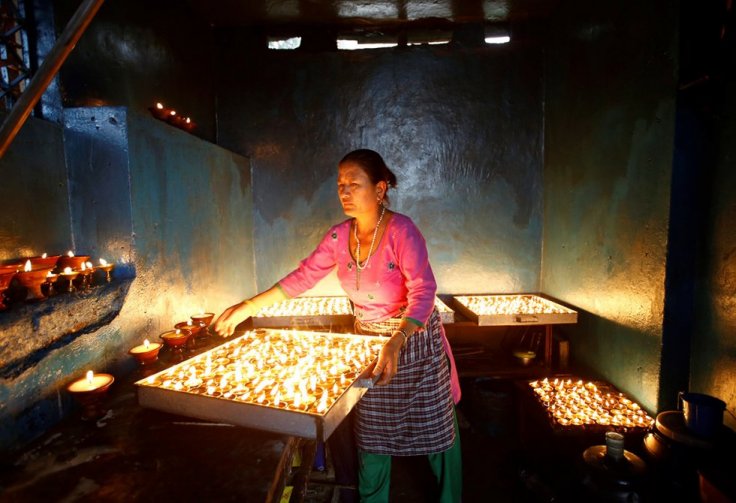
(382, 264)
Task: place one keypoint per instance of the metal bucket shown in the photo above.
(703, 414)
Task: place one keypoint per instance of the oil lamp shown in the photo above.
(147, 352)
(104, 266)
(5, 279)
(188, 325)
(89, 391)
(202, 320)
(85, 275)
(159, 111)
(50, 281)
(176, 339)
(69, 275)
(72, 260)
(44, 261)
(32, 279)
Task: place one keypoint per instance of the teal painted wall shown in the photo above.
(609, 124)
(460, 126)
(172, 211)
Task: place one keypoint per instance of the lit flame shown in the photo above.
(510, 304)
(159, 106)
(90, 377)
(89, 265)
(172, 113)
(146, 344)
(27, 267)
(70, 253)
(44, 255)
(103, 262)
(578, 403)
(67, 270)
(277, 368)
(188, 121)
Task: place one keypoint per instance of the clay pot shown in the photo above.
(175, 340)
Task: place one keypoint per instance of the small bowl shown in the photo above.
(525, 357)
(194, 328)
(12, 267)
(175, 340)
(44, 262)
(146, 356)
(203, 319)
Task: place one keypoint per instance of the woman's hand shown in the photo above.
(234, 316)
(388, 359)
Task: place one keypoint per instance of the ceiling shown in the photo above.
(361, 13)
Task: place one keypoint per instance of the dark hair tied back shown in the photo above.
(373, 164)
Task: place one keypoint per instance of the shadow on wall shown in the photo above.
(619, 354)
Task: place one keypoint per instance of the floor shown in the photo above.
(510, 454)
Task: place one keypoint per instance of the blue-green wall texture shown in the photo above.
(609, 125)
(169, 209)
(461, 127)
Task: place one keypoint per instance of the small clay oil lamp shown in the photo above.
(50, 281)
(176, 339)
(188, 125)
(89, 391)
(104, 266)
(159, 111)
(5, 279)
(203, 319)
(189, 325)
(147, 352)
(69, 275)
(32, 279)
(85, 275)
(44, 261)
(71, 260)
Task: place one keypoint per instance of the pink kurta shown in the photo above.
(398, 279)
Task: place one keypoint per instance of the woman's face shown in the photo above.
(358, 195)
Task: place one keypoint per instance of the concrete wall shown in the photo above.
(35, 217)
(169, 209)
(136, 53)
(461, 127)
(713, 362)
(609, 125)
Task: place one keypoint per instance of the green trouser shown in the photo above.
(374, 474)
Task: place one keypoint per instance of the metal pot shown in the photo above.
(703, 414)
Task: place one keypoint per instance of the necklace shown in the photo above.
(373, 242)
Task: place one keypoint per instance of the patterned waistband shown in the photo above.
(385, 327)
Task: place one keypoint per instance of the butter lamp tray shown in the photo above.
(592, 405)
(285, 381)
(447, 315)
(306, 312)
(517, 309)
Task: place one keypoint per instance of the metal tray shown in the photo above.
(282, 314)
(561, 314)
(310, 425)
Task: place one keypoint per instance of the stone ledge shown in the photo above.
(30, 331)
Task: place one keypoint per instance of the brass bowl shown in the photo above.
(525, 358)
